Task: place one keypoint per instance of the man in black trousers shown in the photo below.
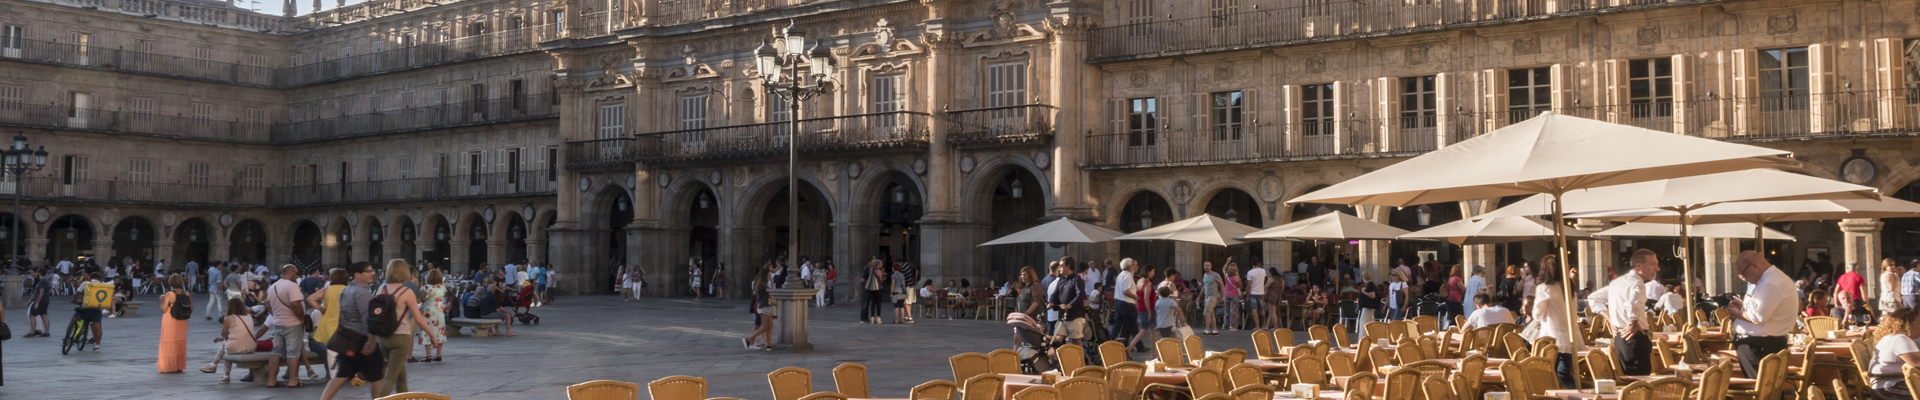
(1627, 314)
(1766, 315)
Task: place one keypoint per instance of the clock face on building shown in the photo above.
(1858, 171)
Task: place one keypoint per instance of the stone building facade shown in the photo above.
(590, 132)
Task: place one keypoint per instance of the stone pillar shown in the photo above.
(1372, 255)
(330, 250)
(11, 291)
(360, 249)
(36, 249)
(457, 255)
(943, 251)
(583, 270)
(1719, 256)
(281, 251)
(103, 249)
(219, 250)
(1068, 60)
(791, 328)
(1860, 242)
(423, 244)
(1595, 256)
(390, 245)
(497, 251)
(163, 250)
(537, 250)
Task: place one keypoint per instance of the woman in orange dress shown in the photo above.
(173, 332)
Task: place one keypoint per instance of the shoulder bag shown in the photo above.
(306, 321)
(259, 345)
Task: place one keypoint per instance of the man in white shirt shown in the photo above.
(1476, 284)
(284, 326)
(1672, 302)
(1489, 313)
(1093, 279)
(1763, 318)
(1627, 314)
(66, 267)
(216, 292)
(1125, 312)
(1654, 290)
(1257, 295)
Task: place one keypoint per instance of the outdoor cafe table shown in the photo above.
(1017, 382)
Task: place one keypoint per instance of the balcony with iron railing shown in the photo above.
(118, 121)
(1843, 115)
(217, 15)
(863, 132)
(46, 188)
(602, 154)
(500, 184)
(1000, 126)
(517, 108)
(474, 47)
(99, 57)
(1326, 20)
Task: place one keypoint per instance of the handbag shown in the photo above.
(259, 345)
(306, 321)
(6, 332)
(346, 341)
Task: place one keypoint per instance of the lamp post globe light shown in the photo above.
(785, 69)
(19, 161)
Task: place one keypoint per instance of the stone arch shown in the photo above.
(761, 238)
(401, 230)
(1333, 251)
(193, 240)
(989, 175)
(1234, 202)
(247, 241)
(375, 250)
(511, 227)
(691, 213)
(989, 204)
(472, 233)
(133, 238)
(438, 231)
(72, 236)
(307, 241)
(884, 208)
(1157, 210)
(15, 233)
(1115, 220)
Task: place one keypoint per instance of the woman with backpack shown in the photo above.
(173, 325)
(394, 315)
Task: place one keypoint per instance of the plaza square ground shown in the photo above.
(581, 338)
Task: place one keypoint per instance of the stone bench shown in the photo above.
(481, 327)
(256, 363)
(131, 308)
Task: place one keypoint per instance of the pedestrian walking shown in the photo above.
(396, 346)
(362, 362)
(435, 308)
(173, 326)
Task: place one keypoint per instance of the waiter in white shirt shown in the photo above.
(1654, 291)
(1763, 318)
(1627, 314)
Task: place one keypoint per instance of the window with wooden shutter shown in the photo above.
(1229, 116)
(1143, 121)
(1140, 17)
(613, 120)
(517, 92)
(145, 112)
(473, 167)
(199, 173)
(549, 164)
(74, 169)
(13, 98)
(253, 176)
(513, 166)
(1650, 93)
(140, 170)
(1529, 93)
(202, 114)
(693, 112)
(13, 40)
(1007, 87)
(479, 92)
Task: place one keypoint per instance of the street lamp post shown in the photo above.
(781, 69)
(20, 160)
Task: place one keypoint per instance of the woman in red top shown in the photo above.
(1818, 305)
(1143, 290)
(1456, 290)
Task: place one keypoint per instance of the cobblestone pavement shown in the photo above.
(582, 338)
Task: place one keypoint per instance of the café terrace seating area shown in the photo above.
(1384, 360)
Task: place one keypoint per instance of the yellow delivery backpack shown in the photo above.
(96, 295)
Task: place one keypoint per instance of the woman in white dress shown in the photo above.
(1889, 286)
(1549, 310)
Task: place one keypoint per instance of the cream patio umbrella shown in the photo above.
(1329, 226)
(1064, 230)
(1550, 154)
(1655, 229)
(1204, 229)
(1468, 232)
(1685, 194)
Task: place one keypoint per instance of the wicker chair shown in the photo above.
(1862, 354)
(1540, 370)
(1340, 363)
(791, 383)
(1714, 382)
(1407, 352)
(1341, 337)
(1663, 359)
(1524, 389)
(1320, 333)
(1429, 369)
(1430, 348)
(678, 387)
(936, 390)
(1427, 324)
(1672, 388)
(1436, 389)
(1081, 388)
(1773, 374)
(1377, 330)
(1637, 391)
(1516, 346)
(1360, 386)
(967, 365)
(1252, 392)
(1381, 357)
(1195, 350)
(1216, 396)
(1070, 357)
(1245, 374)
(824, 396)
(1123, 379)
(1169, 351)
(1601, 365)
(1396, 330)
(1032, 393)
(1001, 361)
(1480, 338)
(1112, 352)
(1912, 376)
(1402, 384)
(1263, 346)
(1819, 326)
(1235, 356)
(1090, 371)
(421, 396)
(1200, 382)
(1466, 386)
(982, 387)
(851, 379)
(1460, 320)
(1216, 361)
(1311, 370)
(1283, 338)
(1841, 391)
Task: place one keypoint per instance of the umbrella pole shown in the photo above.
(1566, 280)
(1686, 267)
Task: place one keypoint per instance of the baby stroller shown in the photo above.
(1036, 347)
(522, 303)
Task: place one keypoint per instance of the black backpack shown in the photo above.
(382, 315)
(182, 307)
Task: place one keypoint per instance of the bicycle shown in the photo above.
(78, 334)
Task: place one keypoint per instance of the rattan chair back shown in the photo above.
(678, 387)
(851, 378)
(1112, 352)
(791, 383)
(1070, 357)
(1082, 388)
(982, 387)
(935, 390)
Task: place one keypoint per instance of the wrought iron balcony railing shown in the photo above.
(52, 188)
(877, 131)
(90, 56)
(517, 183)
(1806, 117)
(533, 106)
(474, 47)
(603, 154)
(999, 126)
(98, 120)
(1324, 20)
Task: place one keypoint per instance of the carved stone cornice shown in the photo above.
(942, 40)
(1069, 28)
(939, 9)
